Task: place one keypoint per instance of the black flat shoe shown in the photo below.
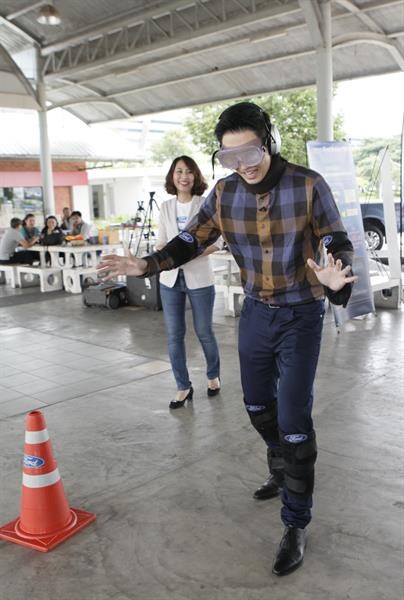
(213, 391)
(269, 489)
(290, 552)
(178, 403)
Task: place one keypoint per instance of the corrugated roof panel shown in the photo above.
(76, 15)
(135, 58)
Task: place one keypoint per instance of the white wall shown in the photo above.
(127, 187)
(123, 188)
(81, 201)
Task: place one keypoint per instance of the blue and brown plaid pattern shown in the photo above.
(270, 235)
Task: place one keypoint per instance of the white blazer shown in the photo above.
(198, 272)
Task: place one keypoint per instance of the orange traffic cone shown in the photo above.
(46, 519)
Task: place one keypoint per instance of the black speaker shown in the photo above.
(144, 292)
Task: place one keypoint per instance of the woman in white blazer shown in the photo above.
(194, 280)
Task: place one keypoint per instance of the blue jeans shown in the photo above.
(202, 301)
(279, 350)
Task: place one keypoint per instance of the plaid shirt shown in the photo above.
(271, 235)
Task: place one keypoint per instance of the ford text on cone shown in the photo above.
(46, 519)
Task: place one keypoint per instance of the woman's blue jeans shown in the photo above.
(202, 301)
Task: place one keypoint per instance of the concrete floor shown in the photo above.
(172, 490)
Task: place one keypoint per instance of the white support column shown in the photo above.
(325, 131)
(45, 155)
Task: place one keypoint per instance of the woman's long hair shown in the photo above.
(200, 184)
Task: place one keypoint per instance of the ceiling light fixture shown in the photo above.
(48, 15)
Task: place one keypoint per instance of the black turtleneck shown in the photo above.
(274, 173)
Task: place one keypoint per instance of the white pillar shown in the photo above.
(45, 155)
(325, 131)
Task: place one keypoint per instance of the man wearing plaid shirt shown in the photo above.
(276, 218)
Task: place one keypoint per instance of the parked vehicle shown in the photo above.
(373, 223)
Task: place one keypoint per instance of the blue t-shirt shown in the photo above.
(28, 234)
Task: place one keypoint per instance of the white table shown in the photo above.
(74, 256)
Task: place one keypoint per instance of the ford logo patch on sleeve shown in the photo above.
(327, 239)
(187, 237)
(33, 462)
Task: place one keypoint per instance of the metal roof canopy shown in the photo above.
(157, 55)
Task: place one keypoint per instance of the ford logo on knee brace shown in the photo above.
(296, 438)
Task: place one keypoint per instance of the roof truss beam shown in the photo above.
(362, 16)
(19, 30)
(182, 22)
(350, 39)
(185, 79)
(376, 34)
(312, 15)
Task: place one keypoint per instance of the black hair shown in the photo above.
(15, 222)
(45, 228)
(76, 213)
(27, 216)
(50, 217)
(200, 184)
(242, 116)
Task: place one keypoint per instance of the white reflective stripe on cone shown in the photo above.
(36, 437)
(39, 481)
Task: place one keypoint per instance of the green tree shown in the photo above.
(173, 143)
(294, 113)
(367, 162)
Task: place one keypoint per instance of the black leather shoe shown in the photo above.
(269, 489)
(291, 551)
(213, 391)
(178, 403)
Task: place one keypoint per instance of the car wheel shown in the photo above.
(114, 301)
(373, 237)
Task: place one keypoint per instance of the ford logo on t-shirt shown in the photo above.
(187, 237)
(33, 462)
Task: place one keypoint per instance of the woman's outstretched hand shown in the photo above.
(112, 265)
(332, 275)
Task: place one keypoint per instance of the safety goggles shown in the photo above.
(248, 155)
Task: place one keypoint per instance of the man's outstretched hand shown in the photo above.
(332, 275)
(112, 265)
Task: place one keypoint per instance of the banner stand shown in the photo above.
(334, 161)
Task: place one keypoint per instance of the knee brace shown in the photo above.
(265, 420)
(299, 455)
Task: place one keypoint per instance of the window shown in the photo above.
(18, 201)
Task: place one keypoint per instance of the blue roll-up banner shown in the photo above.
(334, 161)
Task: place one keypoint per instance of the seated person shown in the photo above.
(51, 234)
(79, 227)
(65, 224)
(28, 230)
(9, 243)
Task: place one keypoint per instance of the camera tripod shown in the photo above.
(140, 209)
(146, 231)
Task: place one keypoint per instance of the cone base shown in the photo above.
(44, 543)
